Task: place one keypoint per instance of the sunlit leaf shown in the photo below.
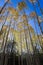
(24, 16)
(20, 25)
(32, 14)
(21, 5)
(34, 1)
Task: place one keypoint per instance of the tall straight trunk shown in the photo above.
(6, 57)
(28, 29)
(37, 35)
(3, 40)
(3, 6)
(5, 30)
(38, 22)
(37, 18)
(30, 59)
(32, 45)
(36, 59)
(4, 21)
(3, 55)
(27, 46)
(20, 49)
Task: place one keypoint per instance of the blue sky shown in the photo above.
(29, 5)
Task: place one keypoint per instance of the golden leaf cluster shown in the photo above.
(21, 5)
(33, 14)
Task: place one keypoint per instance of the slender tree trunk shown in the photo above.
(3, 62)
(37, 35)
(3, 6)
(5, 21)
(37, 18)
(6, 59)
(31, 43)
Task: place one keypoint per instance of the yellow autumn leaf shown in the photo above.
(21, 5)
(24, 16)
(33, 14)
